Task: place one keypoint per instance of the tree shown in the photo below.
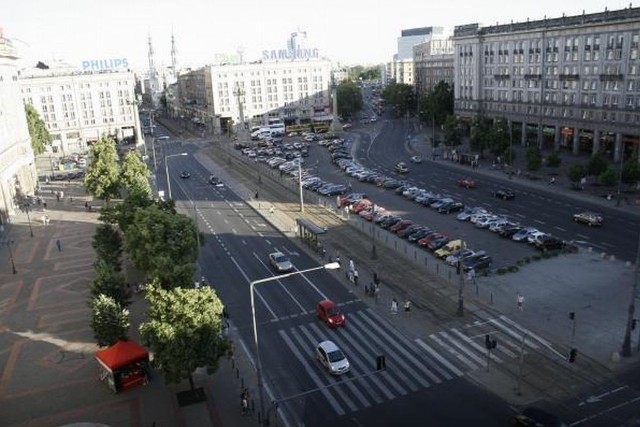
(597, 165)
(349, 98)
(452, 135)
(498, 142)
(481, 131)
(631, 172)
(134, 175)
(608, 178)
(40, 136)
(107, 242)
(576, 173)
(554, 160)
(437, 105)
(401, 97)
(109, 320)
(534, 159)
(111, 283)
(164, 245)
(183, 330)
(102, 176)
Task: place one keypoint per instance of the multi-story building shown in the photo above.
(292, 84)
(79, 106)
(18, 177)
(433, 63)
(568, 83)
(401, 69)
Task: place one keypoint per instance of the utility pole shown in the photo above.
(460, 311)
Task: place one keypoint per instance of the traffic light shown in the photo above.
(381, 363)
(489, 342)
(572, 355)
(572, 315)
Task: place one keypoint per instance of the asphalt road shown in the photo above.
(415, 384)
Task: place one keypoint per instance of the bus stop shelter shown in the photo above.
(309, 232)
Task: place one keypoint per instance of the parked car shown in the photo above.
(455, 257)
(329, 312)
(424, 242)
(414, 237)
(548, 243)
(410, 230)
(332, 358)
(436, 244)
(389, 222)
(280, 262)
(535, 237)
(477, 262)
(467, 183)
(522, 235)
(449, 207)
(400, 225)
(504, 194)
(449, 248)
(509, 231)
(468, 212)
(589, 218)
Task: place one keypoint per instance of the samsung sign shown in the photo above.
(105, 64)
(284, 54)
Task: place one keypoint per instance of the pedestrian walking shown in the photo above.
(376, 293)
(271, 210)
(352, 265)
(338, 260)
(58, 196)
(59, 245)
(323, 252)
(256, 195)
(520, 302)
(394, 306)
(407, 306)
(46, 220)
(376, 278)
(355, 277)
(44, 206)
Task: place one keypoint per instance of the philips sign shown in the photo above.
(289, 54)
(105, 64)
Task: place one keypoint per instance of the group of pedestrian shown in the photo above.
(244, 401)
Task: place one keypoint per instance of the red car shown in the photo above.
(424, 242)
(361, 205)
(467, 183)
(401, 225)
(330, 314)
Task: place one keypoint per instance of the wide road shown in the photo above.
(418, 383)
(383, 144)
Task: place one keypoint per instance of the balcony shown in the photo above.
(611, 77)
(569, 77)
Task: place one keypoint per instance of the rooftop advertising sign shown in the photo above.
(105, 64)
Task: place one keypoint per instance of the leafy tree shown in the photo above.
(534, 159)
(163, 244)
(122, 213)
(349, 98)
(597, 165)
(554, 160)
(452, 134)
(183, 330)
(134, 175)
(40, 136)
(401, 97)
(111, 283)
(608, 178)
(481, 133)
(107, 242)
(576, 173)
(631, 172)
(102, 177)
(109, 320)
(437, 105)
(498, 142)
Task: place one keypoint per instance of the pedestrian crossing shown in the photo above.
(411, 365)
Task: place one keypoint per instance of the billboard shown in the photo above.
(105, 64)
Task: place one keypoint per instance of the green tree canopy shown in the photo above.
(437, 105)
(401, 97)
(107, 242)
(111, 283)
(109, 320)
(163, 244)
(481, 133)
(597, 165)
(349, 98)
(631, 172)
(183, 330)
(499, 137)
(40, 136)
(102, 178)
(134, 175)
(534, 158)
(452, 133)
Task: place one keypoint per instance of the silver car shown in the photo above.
(332, 358)
(280, 262)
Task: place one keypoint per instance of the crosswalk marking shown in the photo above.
(440, 359)
(475, 344)
(472, 366)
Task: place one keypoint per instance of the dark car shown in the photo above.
(400, 225)
(449, 207)
(589, 218)
(504, 194)
(436, 244)
(549, 243)
(477, 262)
(414, 237)
(509, 231)
(185, 175)
(534, 417)
(390, 221)
(409, 230)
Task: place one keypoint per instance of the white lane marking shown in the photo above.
(440, 359)
(314, 376)
(539, 222)
(478, 347)
(594, 399)
(273, 315)
(514, 334)
(461, 357)
(284, 288)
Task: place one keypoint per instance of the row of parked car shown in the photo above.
(452, 251)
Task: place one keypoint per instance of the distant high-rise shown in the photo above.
(411, 37)
(152, 83)
(298, 40)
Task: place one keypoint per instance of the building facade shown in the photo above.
(18, 177)
(79, 106)
(433, 63)
(570, 83)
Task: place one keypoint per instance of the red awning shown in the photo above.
(121, 354)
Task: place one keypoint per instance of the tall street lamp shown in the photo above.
(27, 208)
(166, 168)
(13, 264)
(329, 266)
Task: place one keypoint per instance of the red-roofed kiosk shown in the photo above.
(123, 366)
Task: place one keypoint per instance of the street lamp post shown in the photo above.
(374, 254)
(329, 266)
(300, 186)
(13, 264)
(460, 311)
(27, 208)
(166, 168)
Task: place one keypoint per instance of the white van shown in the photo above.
(261, 133)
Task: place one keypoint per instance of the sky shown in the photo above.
(352, 32)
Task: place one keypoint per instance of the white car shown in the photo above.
(416, 159)
(332, 358)
(535, 237)
(486, 221)
(280, 262)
